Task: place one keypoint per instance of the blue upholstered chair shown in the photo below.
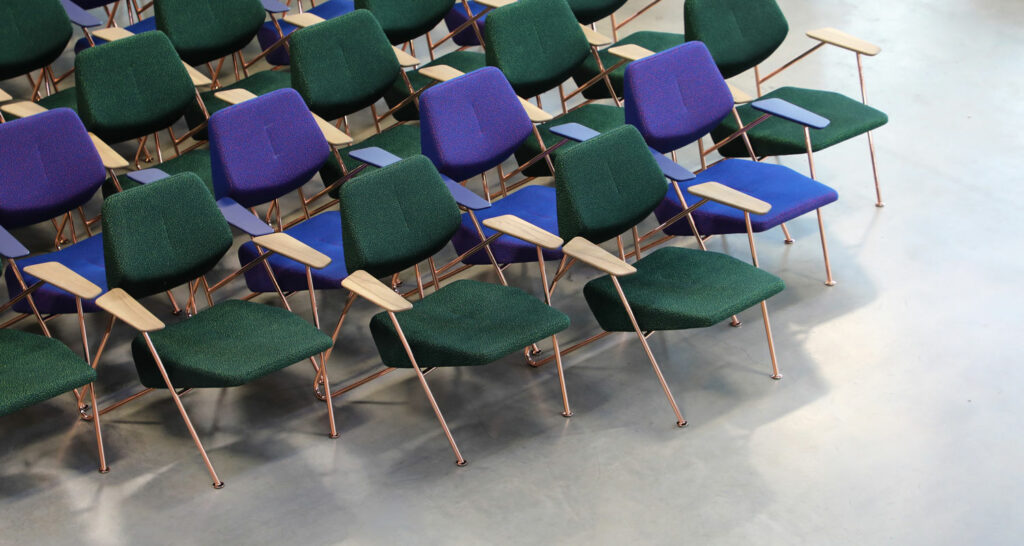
(676, 97)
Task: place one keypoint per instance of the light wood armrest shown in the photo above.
(110, 158)
(727, 196)
(198, 79)
(292, 248)
(60, 276)
(303, 20)
(738, 96)
(521, 229)
(22, 108)
(363, 284)
(536, 114)
(119, 303)
(844, 40)
(112, 34)
(4, 97)
(594, 37)
(333, 135)
(630, 52)
(440, 72)
(597, 257)
(235, 96)
(404, 58)
(494, 4)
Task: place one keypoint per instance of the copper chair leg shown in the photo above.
(566, 412)
(771, 342)
(874, 170)
(785, 231)
(96, 426)
(829, 281)
(327, 390)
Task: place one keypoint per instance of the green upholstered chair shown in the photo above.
(647, 39)
(743, 33)
(402, 214)
(171, 232)
(608, 184)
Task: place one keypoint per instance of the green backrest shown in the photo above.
(204, 30)
(396, 217)
(403, 20)
(161, 235)
(538, 44)
(33, 33)
(739, 33)
(131, 87)
(342, 65)
(606, 185)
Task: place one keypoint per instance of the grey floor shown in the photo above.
(897, 421)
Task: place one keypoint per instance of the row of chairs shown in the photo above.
(393, 200)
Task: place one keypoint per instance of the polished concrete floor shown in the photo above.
(895, 422)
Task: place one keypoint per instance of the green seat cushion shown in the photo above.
(592, 11)
(197, 161)
(465, 61)
(202, 31)
(32, 35)
(403, 20)
(847, 118)
(34, 368)
(401, 140)
(467, 323)
(678, 288)
(259, 83)
(229, 344)
(599, 117)
(654, 41)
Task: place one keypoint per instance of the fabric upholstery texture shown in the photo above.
(654, 41)
(776, 136)
(146, 25)
(65, 98)
(264, 148)
(535, 204)
(400, 140)
(322, 232)
(161, 235)
(739, 33)
(592, 11)
(457, 16)
(229, 344)
(35, 368)
(463, 61)
(599, 117)
(32, 35)
(472, 123)
(259, 83)
(84, 257)
(204, 30)
(197, 162)
(403, 20)
(466, 323)
(132, 87)
(268, 34)
(677, 288)
(396, 217)
(342, 65)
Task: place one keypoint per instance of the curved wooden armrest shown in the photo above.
(630, 52)
(198, 79)
(112, 34)
(292, 248)
(22, 108)
(725, 195)
(841, 39)
(4, 97)
(440, 72)
(594, 37)
(597, 257)
(60, 276)
(738, 95)
(110, 158)
(521, 229)
(536, 114)
(119, 303)
(493, 4)
(235, 96)
(404, 58)
(364, 285)
(303, 20)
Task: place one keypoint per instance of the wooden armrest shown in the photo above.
(494, 4)
(4, 97)
(110, 158)
(198, 79)
(404, 58)
(630, 52)
(292, 248)
(22, 108)
(333, 135)
(112, 34)
(738, 96)
(521, 229)
(60, 276)
(235, 96)
(841, 39)
(119, 303)
(597, 257)
(536, 114)
(440, 72)
(727, 196)
(363, 284)
(303, 20)
(594, 37)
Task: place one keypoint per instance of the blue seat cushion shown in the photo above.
(84, 258)
(790, 194)
(145, 25)
(535, 204)
(322, 232)
(457, 16)
(268, 36)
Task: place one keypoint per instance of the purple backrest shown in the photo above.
(264, 148)
(676, 96)
(48, 166)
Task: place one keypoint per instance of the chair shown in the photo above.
(674, 98)
(608, 184)
(170, 232)
(271, 33)
(742, 34)
(465, 323)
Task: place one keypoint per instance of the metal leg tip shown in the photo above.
(777, 376)
(176, 313)
(830, 283)
(681, 424)
(736, 324)
(567, 414)
(333, 436)
(463, 462)
(789, 241)
(218, 485)
(104, 470)
(880, 205)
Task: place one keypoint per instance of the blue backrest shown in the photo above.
(264, 148)
(48, 166)
(472, 123)
(676, 96)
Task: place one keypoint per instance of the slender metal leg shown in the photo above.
(874, 170)
(829, 281)
(785, 231)
(459, 460)
(96, 426)
(771, 342)
(566, 412)
(327, 389)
